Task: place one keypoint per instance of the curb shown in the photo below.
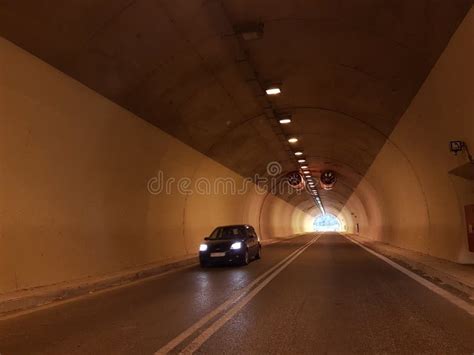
(424, 270)
(27, 299)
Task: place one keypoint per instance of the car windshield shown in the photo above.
(228, 233)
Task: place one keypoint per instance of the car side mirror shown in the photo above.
(206, 238)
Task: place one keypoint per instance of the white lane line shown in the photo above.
(206, 318)
(431, 286)
(229, 314)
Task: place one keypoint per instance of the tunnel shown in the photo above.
(131, 129)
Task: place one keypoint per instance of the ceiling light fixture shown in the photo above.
(298, 154)
(273, 91)
(304, 166)
(293, 140)
(285, 121)
(250, 31)
(302, 161)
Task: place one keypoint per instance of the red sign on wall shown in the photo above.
(470, 226)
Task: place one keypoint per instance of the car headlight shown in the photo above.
(203, 247)
(236, 245)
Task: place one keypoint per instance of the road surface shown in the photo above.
(311, 294)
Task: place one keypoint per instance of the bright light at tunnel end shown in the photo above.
(327, 223)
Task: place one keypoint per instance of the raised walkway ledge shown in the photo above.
(455, 278)
(24, 300)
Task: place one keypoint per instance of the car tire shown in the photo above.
(203, 263)
(246, 258)
(259, 253)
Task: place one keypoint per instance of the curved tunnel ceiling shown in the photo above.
(348, 69)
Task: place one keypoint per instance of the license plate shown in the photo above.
(216, 255)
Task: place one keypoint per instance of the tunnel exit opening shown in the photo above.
(327, 223)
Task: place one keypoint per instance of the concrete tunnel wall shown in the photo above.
(74, 200)
(408, 198)
(74, 172)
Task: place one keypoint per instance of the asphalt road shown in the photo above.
(306, 295)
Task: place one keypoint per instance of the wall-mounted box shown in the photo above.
(470, 226)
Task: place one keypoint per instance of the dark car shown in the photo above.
(230, 244)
